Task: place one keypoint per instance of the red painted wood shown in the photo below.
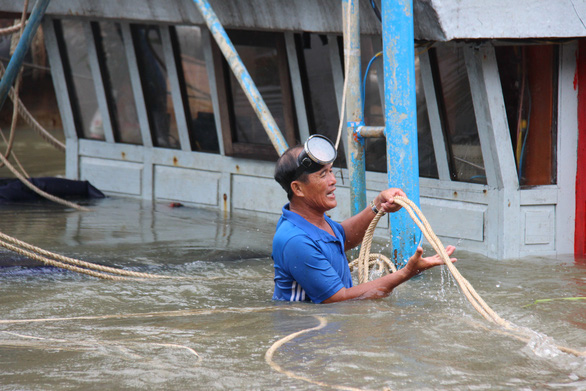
(580, 221)
(539, 152)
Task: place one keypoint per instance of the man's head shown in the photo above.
(286, 168)
(297, 162)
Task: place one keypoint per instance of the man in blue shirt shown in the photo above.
(309, 248)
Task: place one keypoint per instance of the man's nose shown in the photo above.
(333, 179)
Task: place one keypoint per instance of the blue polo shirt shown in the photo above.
(310, 263)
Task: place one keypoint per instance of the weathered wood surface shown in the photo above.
(437, 20)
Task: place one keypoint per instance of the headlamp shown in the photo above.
(317, 151)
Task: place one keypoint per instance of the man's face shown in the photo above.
(319, 189)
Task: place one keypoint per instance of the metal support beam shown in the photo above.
(139, 97)
(179, 106)
(242, 75)
(22, 48)
(401, 119)
(504, 211)
(101, 91)
(355, 157)
(371, 131)
(293, 62)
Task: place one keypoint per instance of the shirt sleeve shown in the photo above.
(311, 269)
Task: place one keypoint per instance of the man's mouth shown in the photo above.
(331, 194)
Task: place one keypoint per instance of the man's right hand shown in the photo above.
(418, 264)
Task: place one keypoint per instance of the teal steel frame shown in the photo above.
(401, 120)
(355, 155)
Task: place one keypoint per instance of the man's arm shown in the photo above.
(356, 226)
(383, 286)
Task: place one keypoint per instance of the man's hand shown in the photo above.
(417, 263)
(385, 200)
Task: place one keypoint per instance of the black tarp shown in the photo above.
(13, 190)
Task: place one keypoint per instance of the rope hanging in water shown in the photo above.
(76, 265)
(363, 262)
(473, 297)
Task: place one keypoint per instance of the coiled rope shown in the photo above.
(271, 352)
(367, 260)
(72, 264)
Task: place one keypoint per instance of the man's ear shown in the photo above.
(297, 188)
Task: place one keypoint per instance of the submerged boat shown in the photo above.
(152, 109)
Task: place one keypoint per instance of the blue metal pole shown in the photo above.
(401, 119)
(354, 115)
(242, 75)
(22, 48)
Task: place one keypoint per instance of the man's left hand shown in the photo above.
(385, 200)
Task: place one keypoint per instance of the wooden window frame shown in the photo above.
(251, 150)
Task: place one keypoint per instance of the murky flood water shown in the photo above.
(212, 328)
(62, 330)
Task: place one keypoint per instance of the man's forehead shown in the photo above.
(327, 167)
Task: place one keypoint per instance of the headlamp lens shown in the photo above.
(317, 152)
(320, 149)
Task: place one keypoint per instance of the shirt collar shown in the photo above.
(311, 229)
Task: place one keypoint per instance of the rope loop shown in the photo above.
(366, 260)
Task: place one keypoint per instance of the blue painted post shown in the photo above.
(242, 75)
(22, 48)
(401, 119)
(354, 115)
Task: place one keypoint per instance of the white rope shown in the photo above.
(345, 88)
